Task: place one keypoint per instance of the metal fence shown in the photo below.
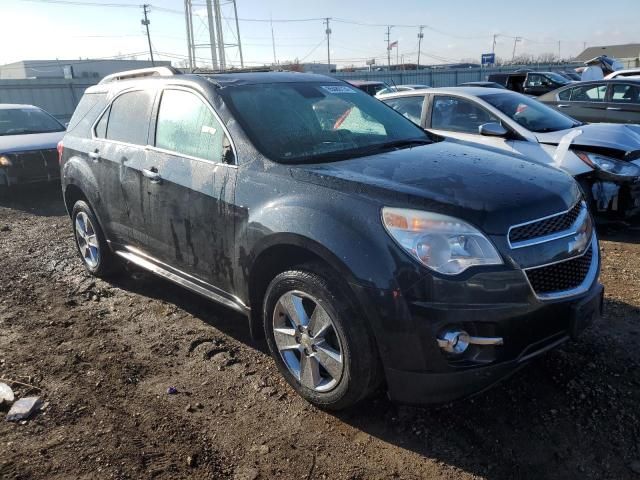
(444, 77)
(60, 97)
(57, 96)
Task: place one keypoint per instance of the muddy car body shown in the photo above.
(432, 267)
(604, 158)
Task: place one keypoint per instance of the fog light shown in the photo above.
(5, 162)
(454, 342)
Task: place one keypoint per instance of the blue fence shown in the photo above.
(444, 77)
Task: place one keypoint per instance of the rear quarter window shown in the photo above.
(90, 106)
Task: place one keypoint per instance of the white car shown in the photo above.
(630, 72)
(604, 158)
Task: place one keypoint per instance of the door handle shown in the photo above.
(152, 174)
(95, 156)
(563, 106)
(617, 109)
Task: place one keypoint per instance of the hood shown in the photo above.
(32, 141)
(605, 135)
(488, 189)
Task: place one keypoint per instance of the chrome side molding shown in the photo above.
(139, 260)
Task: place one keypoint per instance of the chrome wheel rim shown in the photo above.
(308, 341)
(87, 240)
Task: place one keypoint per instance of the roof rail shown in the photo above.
(140, 73)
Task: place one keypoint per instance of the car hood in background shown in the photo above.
(32, 141)
(491, 190)
(607, 135)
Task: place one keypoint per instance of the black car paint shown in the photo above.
(218, 224)
(518, 82)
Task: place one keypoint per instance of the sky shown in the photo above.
(454, 30)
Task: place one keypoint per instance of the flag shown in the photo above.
(394, 44)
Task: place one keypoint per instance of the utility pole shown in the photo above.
(146, 22)
(187, 15)
(212, 36)
(493, 49)
(515, 42)
(328, 32)
(235, 13)
(218, 18)
(273, 43)
(420, 37)
(389, 27)
(559, 51)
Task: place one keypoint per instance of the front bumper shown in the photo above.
(30, 167)
(527, 333)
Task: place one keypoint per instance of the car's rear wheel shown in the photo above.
(91, 242)
(321, 346)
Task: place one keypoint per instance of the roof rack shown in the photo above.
(140, 73)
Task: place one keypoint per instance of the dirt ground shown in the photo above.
(102, 356)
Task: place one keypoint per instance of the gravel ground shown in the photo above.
(102, 356)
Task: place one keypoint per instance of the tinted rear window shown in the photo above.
(129, 117)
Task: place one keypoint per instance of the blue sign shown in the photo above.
(488, 58)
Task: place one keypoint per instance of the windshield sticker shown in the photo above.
(338, 89)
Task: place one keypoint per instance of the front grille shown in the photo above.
(36, 163)
(557, 223)
(560, 277)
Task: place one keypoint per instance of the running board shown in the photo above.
(183, 282)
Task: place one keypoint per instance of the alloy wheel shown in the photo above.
(87, 240)
(308, 342)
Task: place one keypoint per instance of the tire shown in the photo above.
(314, 374)
(91, 243)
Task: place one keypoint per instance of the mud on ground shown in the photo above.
(102, 356)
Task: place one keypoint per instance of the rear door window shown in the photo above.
(410, 107)
(459, 115)
(129, 117)
(186, 125)
(589, 93)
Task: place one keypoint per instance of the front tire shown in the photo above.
(320, 345)
(91, 242)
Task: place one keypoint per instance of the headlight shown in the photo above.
(443, 244)
(609, 165)
(4, 161)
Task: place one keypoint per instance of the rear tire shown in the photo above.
(91, 243)
(323, 349)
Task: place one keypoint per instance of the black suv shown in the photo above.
(530, 83)
(365, 252)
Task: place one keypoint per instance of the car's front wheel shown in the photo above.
(321, 346)
(91, 242)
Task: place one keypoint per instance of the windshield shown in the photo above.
(21, 121)
(530, 113)
(314, 122)
(557, 78)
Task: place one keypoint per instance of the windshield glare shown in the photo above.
(307, 122)
(530, 113)
(22, 121)
(557, 78)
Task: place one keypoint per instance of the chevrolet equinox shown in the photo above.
(365, 251)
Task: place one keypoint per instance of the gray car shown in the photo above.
(29, 137)
(611, 101)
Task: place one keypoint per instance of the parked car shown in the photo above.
(361, 249)
(482, 84)
(530, 83)
(615, 101)
(629, 72)
(401, 88)
(604, 158)
(369, 86)
(28, 140)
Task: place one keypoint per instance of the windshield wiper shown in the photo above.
(395, 145)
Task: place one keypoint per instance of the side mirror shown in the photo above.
(493, 129)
